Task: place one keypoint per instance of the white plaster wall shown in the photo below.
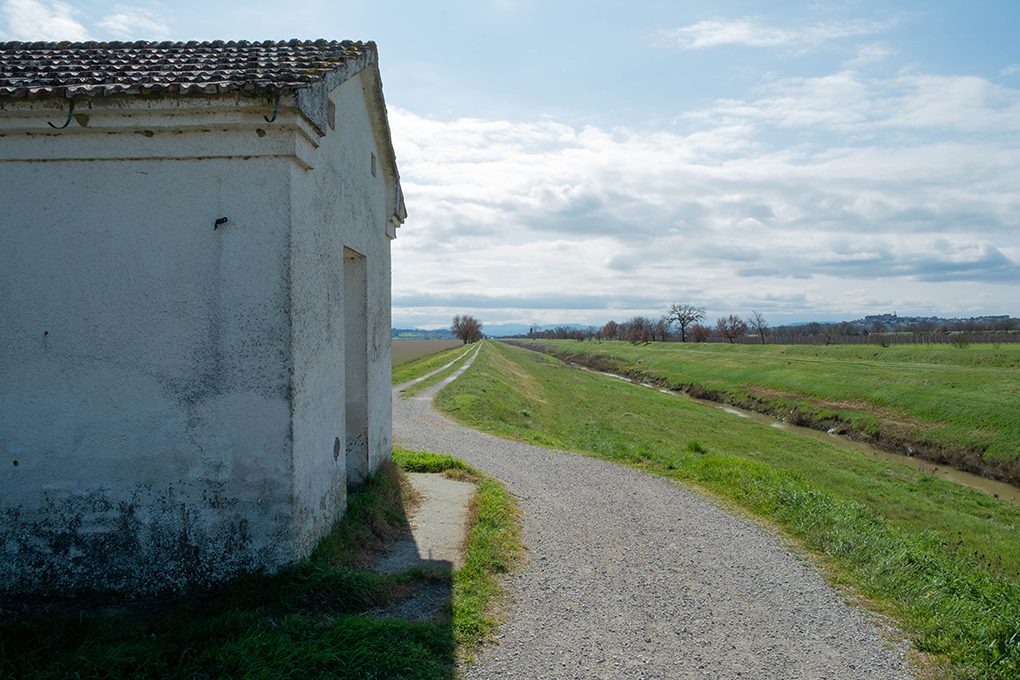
(339, 203)
(144, 384)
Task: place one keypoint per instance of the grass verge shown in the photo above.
(492, 548)
(307, 620)
(942, 559)
(422, 385)
(412, 369)
(952, 406)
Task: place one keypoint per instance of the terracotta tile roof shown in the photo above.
(95, 69)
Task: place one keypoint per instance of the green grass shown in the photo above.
(412, 369)
(942, 559)
(307, 620)
(423, 461)
(951, 405)
(423, 385)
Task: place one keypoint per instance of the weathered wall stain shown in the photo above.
(94, 542)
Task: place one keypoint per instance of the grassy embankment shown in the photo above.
(955, 406)
(940, 558)
(309, 620)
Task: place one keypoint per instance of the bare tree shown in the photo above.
(758, 324)
(466, 328)
(610, 331)
(662, 329)
(685, 316)
(731, 327)
(700, 333)
(638, 329)
(830, 333)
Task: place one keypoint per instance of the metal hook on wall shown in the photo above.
(70, 112)
(276, 109)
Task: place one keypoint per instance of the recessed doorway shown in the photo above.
(356, 366)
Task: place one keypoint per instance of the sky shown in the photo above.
(575, 162)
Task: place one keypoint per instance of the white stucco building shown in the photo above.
(194, 305)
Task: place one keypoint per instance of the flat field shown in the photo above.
(957, 406)
(409, 350)
(942, 559)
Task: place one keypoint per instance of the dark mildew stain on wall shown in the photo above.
(151, 542)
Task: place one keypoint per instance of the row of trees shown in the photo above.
(728, 327)
(917, 327)
(684, 323)
(680, 322)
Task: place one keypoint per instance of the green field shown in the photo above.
(942, 559)
(959, 406)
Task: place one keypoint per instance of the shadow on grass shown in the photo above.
(325, 616)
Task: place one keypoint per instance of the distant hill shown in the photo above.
(894, 322)
(504, 329)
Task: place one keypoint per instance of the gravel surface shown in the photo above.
(629, 575)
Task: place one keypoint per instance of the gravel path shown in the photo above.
(631, 576)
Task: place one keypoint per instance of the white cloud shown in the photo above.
(41, 20)
(870, 54)
(850, 103)
(55, 21)
(750, 33)
(1011, 70)
(873, 185)
(135, 23)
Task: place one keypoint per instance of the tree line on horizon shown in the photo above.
(685, 323)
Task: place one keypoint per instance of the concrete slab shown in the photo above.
(438, 526)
